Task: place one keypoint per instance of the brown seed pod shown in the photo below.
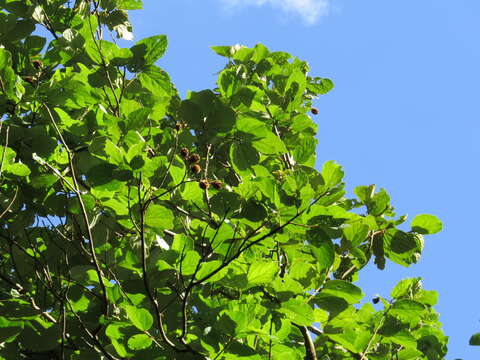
(204, 184)
(217, 184)
(314, 111)
(180, 125)
(37, 64)
(29, 79)
(196, 169)
(184, 152)
(194, 159)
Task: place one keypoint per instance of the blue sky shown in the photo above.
(403, 115)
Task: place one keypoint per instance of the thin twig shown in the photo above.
(4, 150)
(255, 242)
(207, 197)
(175, 147)
(377, 329)
(84, 214)
(10, 204)
(159, 316)
(98, 45)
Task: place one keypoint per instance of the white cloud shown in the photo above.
(309, 10)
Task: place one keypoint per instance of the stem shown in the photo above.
(146, 283)
(4, 149)
(311, 354)
(255, 242)
(10, 204)
(76, 189)
(375, 333)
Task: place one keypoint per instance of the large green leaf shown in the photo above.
(147, 51)
(297, 311)
(243, 156)
(140, 318)
(356, 233)
(475, 339)
(343, 289)
(129, 4)
(426, 224)
(261, 272)
(139, 342)
(159, 217)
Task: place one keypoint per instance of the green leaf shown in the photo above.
(270, 144)
(207, 268)
(105, 149)
(353, 339)
(220, 119)
(365, 193)
(189, 262)
(156, 81)
(356, 233)
(297, 311)
(320, 86)
(147, 51)
(283, 352)
(101, 51)
(9, 329)
(139, 342)
(401, 247)
(129, 4)
(402, 288)
(427, 297)
(332, 174)
(159, 217)
(475, 339)
(262, 272)
(426, 224)
(243, 156)
(139, 317)
(343, 289)
(18, 169)
(252, 126)
(324, 253)
(34, 44)
(222, 50)
(378, 203)
(407, 310)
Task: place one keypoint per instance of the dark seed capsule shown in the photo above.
(29, 79)
(37, 64)
(204, 184)
(217, 184)
(194, 158)
(184, 152)
(314, 111)
(376, 300)
(180, 125)
(196, 169)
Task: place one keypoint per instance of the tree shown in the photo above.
(139, 225)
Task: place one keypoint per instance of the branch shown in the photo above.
(104, 64)
(10, 204)
(377, 329)
(311, 354)
(207, 197)
(249, 245)
(4, 149)
(84, 213)
(171, 160)
(158, 314)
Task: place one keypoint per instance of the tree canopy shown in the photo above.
(139, 225)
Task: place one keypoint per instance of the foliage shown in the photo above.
(139, 225)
